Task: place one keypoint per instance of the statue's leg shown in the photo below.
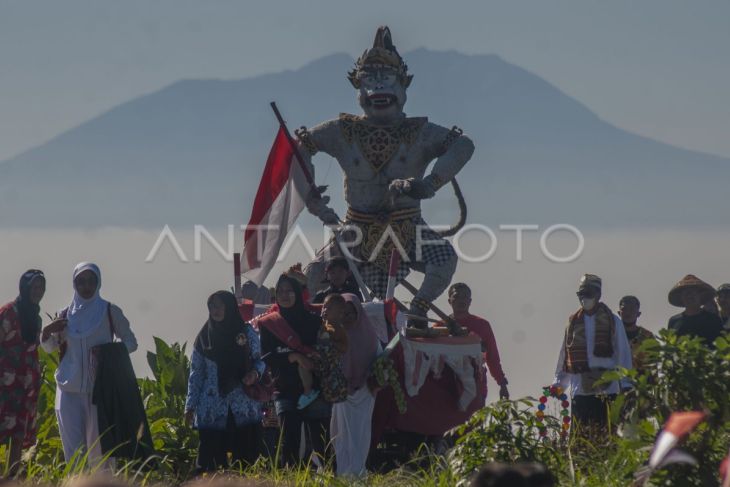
(376, 278)
(437, 260)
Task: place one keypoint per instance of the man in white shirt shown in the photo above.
(595, 341)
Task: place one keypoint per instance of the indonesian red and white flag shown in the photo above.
(279, 200)
(677, 427)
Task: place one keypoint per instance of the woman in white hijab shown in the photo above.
(87, 322)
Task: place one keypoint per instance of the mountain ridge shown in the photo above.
(192, 151)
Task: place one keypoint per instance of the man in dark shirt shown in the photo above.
(723, 305)
(691, 293)
(629, 309)
(340, 280)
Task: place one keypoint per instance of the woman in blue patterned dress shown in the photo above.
(226, 356)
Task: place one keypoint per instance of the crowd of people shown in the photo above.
(303, 368)
(597, 340)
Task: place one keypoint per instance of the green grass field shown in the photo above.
(679, 375)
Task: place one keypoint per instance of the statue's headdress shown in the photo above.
(383, 54)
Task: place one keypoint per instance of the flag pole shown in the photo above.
(237, 277)
(294, 147)
(313, 187)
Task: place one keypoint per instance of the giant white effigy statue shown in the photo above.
(384, 155)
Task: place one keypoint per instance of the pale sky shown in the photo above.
(660, 68)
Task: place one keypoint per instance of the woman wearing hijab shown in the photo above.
(87, 322)
(226, 356)
(20, 327)
(287, 336)
(351, 419)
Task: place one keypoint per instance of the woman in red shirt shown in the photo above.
(20, 327)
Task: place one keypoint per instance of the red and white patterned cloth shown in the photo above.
(19, 380)
(463, 355)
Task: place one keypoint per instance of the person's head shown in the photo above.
(333, 309)
(296, 273)
(536, 474)
(518, 475)
(691, 293)
(288, 292)
(97, 480)
(460, 297)
(249, 290)
(352, 311)
(337, 271)
(629, 309)
(381, 78)
(32, 286)
(223, 480)
(499, 475)
(589, 291)
(87, 280)
(691, 298)
(222, 306)
(723, 299)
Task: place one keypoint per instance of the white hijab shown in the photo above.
(84, 315)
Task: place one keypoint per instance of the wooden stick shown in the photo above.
(412, 289)
(353, 268)
(237, 277)
(454, 328)
(392, 273)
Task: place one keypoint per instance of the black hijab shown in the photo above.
(226, 344)
(29, 313)
(292, 313)
(298, 316)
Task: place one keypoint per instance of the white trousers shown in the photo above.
(350, 432)
(79, 426)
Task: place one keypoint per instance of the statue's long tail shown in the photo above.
(462, 212)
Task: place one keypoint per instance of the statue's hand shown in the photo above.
(329, 217)
(317, 206)
(419, 189)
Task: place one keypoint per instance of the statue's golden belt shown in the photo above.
(381, 233)
(393, 216)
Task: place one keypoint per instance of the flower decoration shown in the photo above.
(387, 376)
(554, 392)
(241, 339)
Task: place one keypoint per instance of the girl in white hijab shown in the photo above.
(87, 322)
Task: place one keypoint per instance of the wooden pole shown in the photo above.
(237, 277)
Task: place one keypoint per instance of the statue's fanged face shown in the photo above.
(381, 92)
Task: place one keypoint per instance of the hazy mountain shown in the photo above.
(193, 152)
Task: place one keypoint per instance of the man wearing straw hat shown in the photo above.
(691, 293)
(595, 342)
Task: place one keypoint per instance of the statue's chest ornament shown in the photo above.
(378, 144)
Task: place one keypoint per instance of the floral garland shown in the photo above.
(386, 375)
(555, 392)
